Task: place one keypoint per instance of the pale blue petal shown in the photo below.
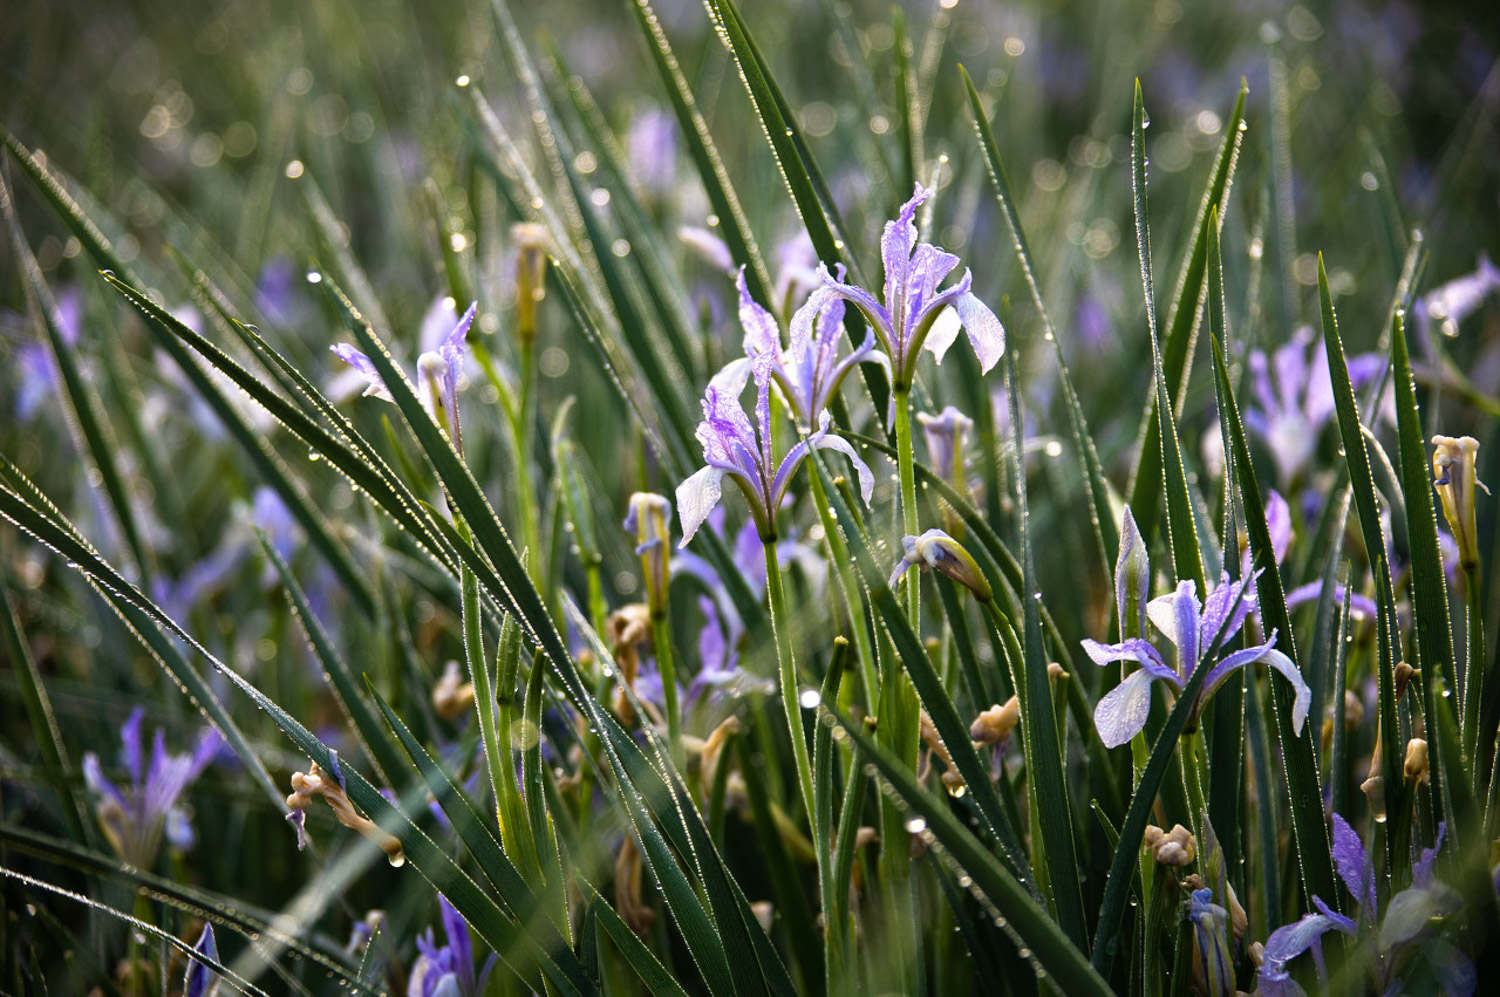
(696, 498)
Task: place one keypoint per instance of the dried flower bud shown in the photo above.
(452, 696)
(1453, 471)
(1416, 760)
(628, 869)
(994, 725)
(316, 782)
(1176, 847)
(1055, 671)
(1403, 675)
(764, 913)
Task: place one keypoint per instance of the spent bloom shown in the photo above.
(735, 447)
(810, 370)
(1213, 966)
(915, 313)
(1195, 627)
(135, 816)
(1453, 473)
(447, 970)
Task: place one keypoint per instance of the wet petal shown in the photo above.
(762, 334)
(1133, 649)
(984, 330)
(896, 245)
(199, 976)
(1122, 711)
(1354, 865)
(696, 498)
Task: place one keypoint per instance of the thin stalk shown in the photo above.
(907, 473)
(666, 664)
(898, 726)
(787, 671)
(479, 674)
(1473, 672)
(843, 564)
(524, 434)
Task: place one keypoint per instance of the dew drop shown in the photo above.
(809, 699)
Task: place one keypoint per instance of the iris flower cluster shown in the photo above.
(915, 312)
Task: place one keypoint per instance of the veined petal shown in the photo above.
(866, 479)
(1133, 649)
(354, 358)
(1292, 674)
(1354, 866)
(879, 318)
(896, 245)
(1121, 712)
(453, 343)
(1225, 609)
(696, 498)
(984, 330)
(1176, 616)
(762, 334)
(943, 331)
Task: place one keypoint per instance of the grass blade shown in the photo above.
(1045, 757)
(1183, 318)
(1357, 458)
(1182, 531)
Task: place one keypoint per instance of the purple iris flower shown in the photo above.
(39, 376)
(135, 817)
(447, 971)
(1294, 398)
(1195, 628)
(742, 451)
(915, 313)
(442, 357)
(810, 370)
(1447, 306)
(199, 977)
(1407, 929)
(1291, 940)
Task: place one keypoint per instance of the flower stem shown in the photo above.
(787, 670)
(1473, 673)
(666, 665)
(907, 474)
(524, 432)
